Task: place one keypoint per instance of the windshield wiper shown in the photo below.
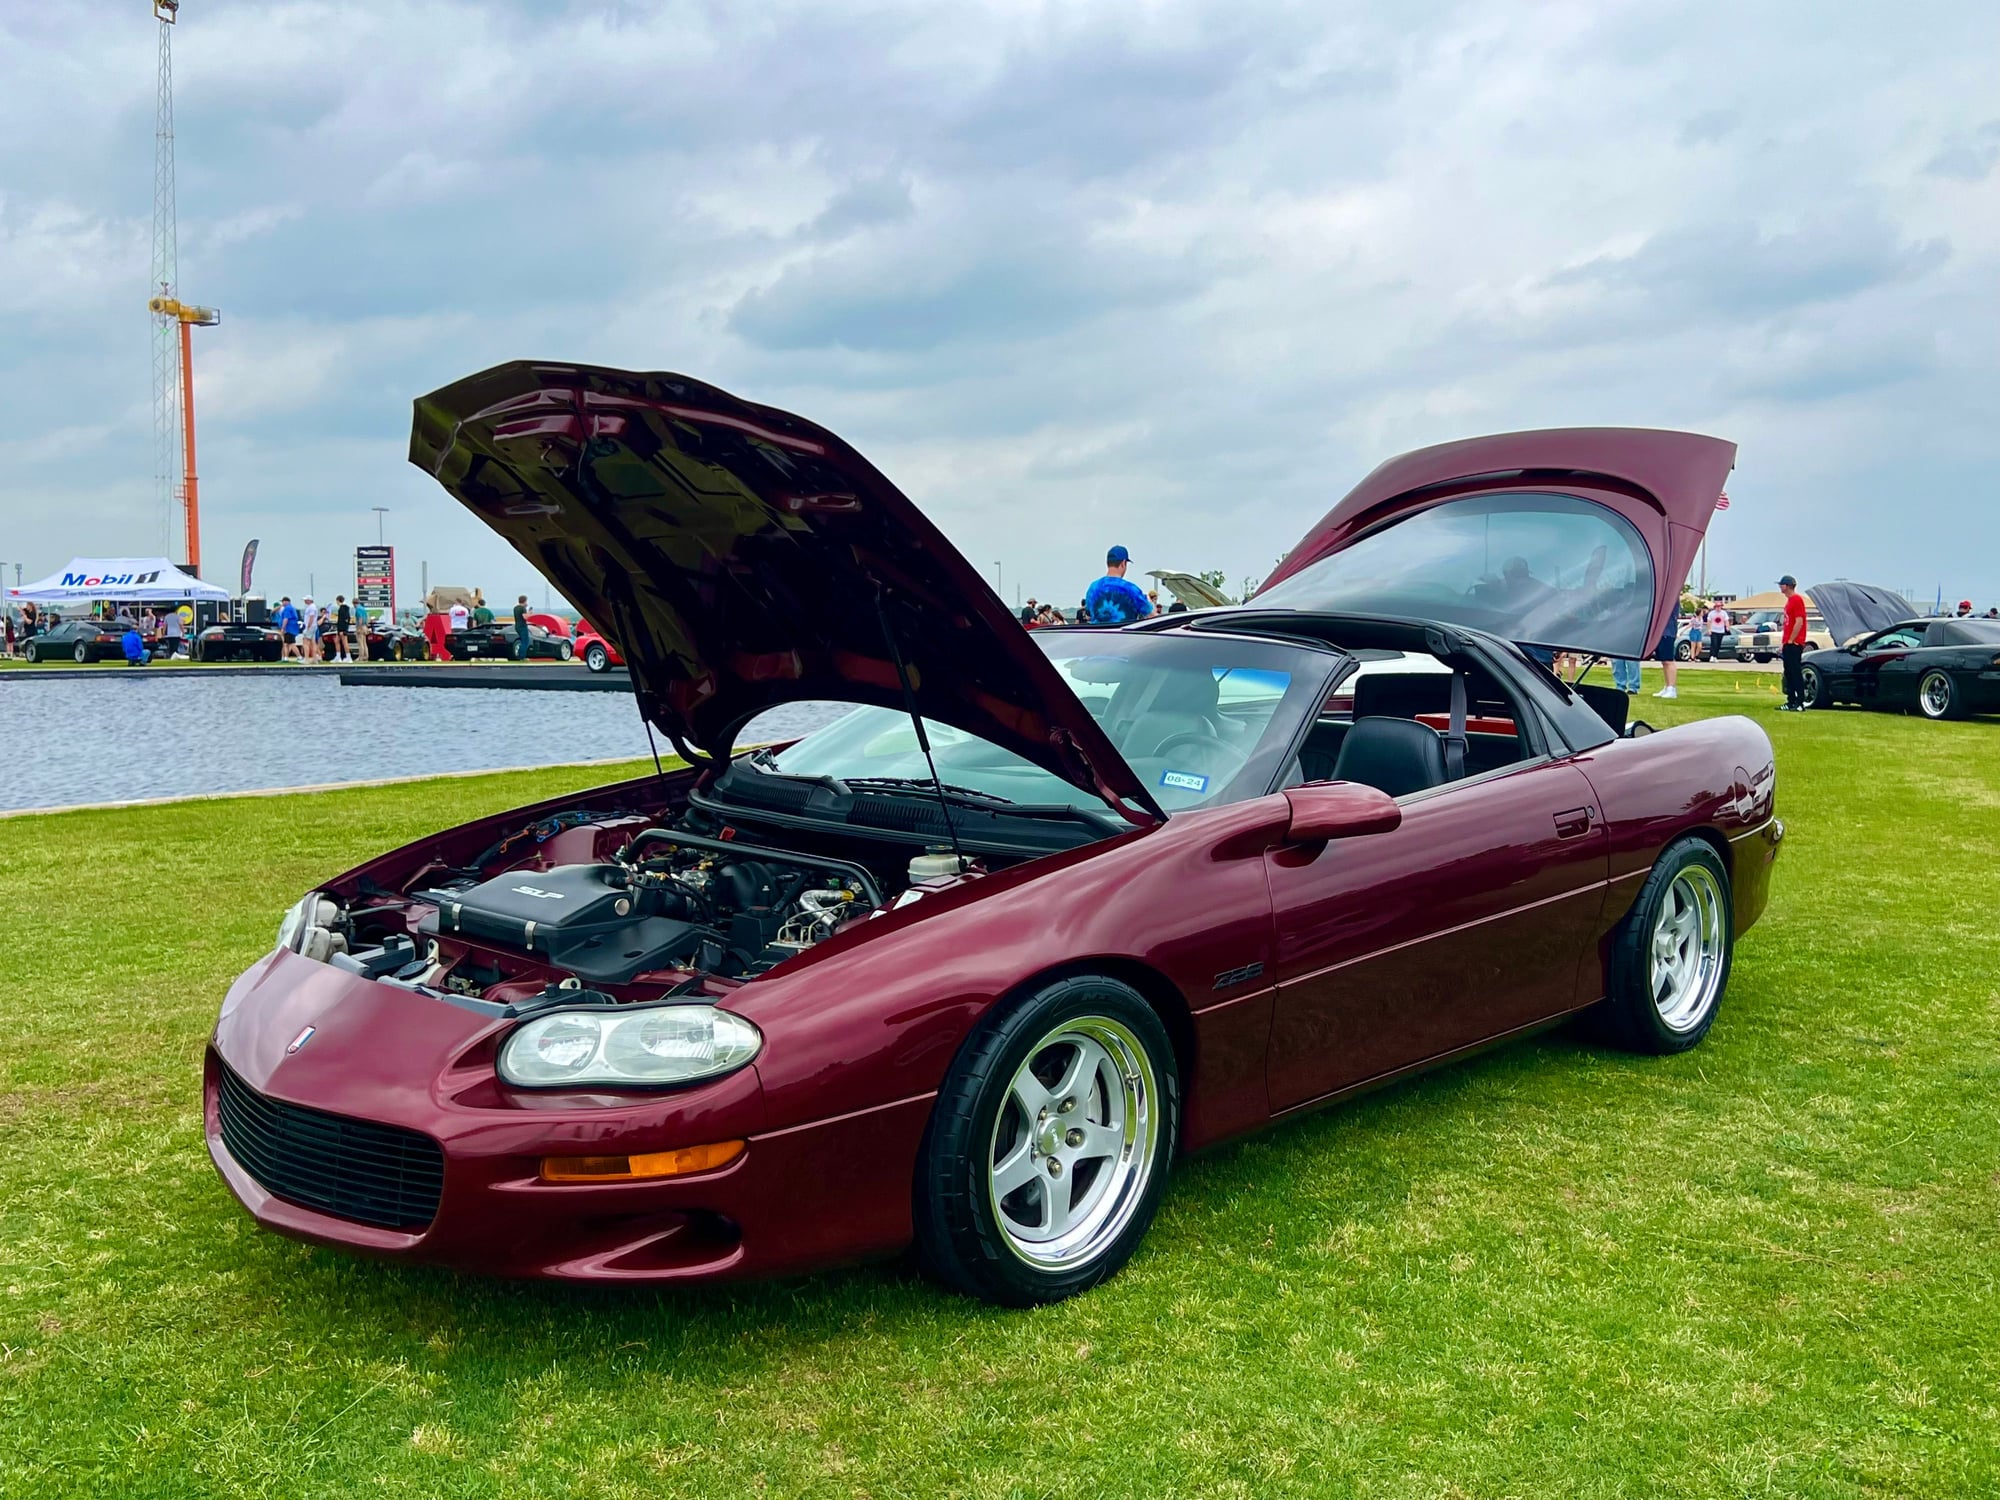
(1096, 817)
(915, 783)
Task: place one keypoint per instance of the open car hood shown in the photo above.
(1573, 538)
(1852, 609)
(742, 558)
(1193, 591)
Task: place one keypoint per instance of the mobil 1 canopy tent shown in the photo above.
(135, 580)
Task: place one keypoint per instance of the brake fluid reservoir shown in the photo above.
(932, 865)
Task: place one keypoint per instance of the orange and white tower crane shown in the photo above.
(173, 324)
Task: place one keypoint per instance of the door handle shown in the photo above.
(1575, 822)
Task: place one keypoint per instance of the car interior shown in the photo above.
(1389, 727)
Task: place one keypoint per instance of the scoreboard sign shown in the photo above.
(375, 578)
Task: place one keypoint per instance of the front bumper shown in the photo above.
(821, 1193)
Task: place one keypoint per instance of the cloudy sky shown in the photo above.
(1172, 275)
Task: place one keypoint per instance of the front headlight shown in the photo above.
(644, 1047)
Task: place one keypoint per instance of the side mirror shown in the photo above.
(1339, 810)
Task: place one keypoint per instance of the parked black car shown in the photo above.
(498, 640)
(396, 643)
(81, 641)
(1943, 668)
(234, 641)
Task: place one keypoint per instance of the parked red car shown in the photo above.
(598, 653)
(971, 966)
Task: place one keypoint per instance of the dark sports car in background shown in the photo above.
(396, 643)
(235, 641)
(1944, 668)
(970, 967)
(497, 640)
(80, 641)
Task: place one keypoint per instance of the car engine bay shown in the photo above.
(617, 905)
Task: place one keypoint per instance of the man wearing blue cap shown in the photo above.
(1114, 599)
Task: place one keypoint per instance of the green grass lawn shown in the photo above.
(1770, 1267)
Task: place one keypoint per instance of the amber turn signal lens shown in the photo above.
(636, 1168)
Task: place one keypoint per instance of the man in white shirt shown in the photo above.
(460, 617)
(1718, 627)
(309, 631)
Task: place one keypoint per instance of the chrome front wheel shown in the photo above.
(1074, 1143)
(1050, 1143)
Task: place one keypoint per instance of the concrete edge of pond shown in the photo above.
(668, 761)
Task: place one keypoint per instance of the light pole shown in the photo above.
(380, 512)
(996, 582)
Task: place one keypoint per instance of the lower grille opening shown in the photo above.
(381, 1175)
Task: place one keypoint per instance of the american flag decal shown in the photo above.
(1722, 501)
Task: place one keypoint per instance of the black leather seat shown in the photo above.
(1397, 756)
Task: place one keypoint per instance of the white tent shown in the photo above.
(120, 579)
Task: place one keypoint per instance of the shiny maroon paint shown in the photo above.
(1481, 917)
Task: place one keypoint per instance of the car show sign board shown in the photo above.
(375, 578)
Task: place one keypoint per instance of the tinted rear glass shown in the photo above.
(1545, 569)
(1966, 633)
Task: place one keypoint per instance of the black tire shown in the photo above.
(960, 1239)
(566, 651)
(596, 657)
(1938, 696)
(81, 655)
(1683, 651)
(1762, 658)
(1631, 1017)
(1818, 693)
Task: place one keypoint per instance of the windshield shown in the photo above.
(1201, 719)
(1552, 570)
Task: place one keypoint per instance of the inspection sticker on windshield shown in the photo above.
(1187, 781)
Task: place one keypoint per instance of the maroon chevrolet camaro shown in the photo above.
(969, 968)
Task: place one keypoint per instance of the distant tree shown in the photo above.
(1216, 579)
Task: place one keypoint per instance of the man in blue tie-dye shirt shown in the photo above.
(1114, 599)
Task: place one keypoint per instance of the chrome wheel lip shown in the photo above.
(1934, 694)
(1684, 966)
(1125, 1098)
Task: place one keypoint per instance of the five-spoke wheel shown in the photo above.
(1937, 695)
(1050, 1144)
(1074, 1142)
(1670, 958)
(1689, 939)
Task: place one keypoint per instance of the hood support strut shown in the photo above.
(917, 723)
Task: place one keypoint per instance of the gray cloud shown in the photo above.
(1736, 271)
(1971, 158)
(1176, 275)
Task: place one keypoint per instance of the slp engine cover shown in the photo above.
(583, 918)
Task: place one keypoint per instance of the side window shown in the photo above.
(1898, 640)
(1411, 685)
